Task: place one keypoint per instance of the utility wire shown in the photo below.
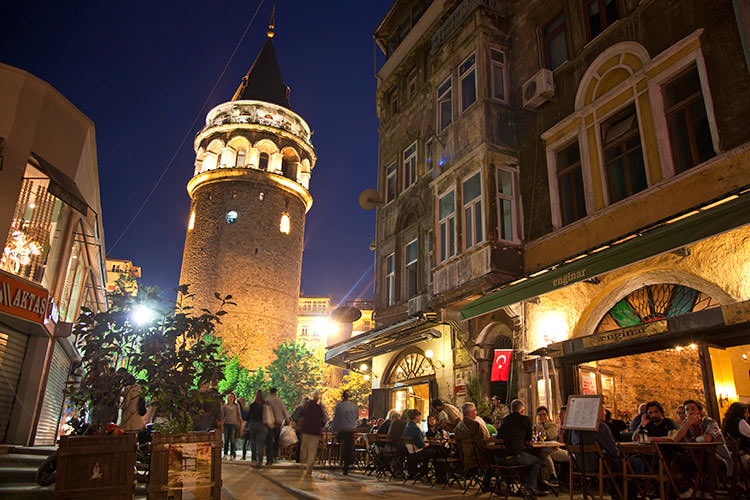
(198, 115)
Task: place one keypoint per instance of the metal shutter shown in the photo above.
(12, 352)
(49, 418)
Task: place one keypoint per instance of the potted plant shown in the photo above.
(176, 355)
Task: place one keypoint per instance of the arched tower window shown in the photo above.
(263, 161)
(654, 303)
(241, 155)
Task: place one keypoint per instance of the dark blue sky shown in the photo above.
(142, 70)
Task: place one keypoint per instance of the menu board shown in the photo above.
(583, 413)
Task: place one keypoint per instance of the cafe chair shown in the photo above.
(507, 478)
(739, 482)
(655, 476)
(602, 473)
(471, 471)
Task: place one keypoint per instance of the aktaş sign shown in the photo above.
(23, 299)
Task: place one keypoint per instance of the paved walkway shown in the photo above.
(242, 482)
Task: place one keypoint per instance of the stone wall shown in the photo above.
(669, 377)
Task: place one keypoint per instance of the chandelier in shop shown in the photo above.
(19, 251)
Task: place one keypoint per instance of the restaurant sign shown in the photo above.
(24, 299)
(631, 332)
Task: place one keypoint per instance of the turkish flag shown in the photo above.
(501, 365)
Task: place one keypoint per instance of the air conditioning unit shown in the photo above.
(416, 305)
(538, 89)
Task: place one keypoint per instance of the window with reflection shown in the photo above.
(623, 155)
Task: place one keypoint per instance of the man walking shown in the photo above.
(279, 415)
(344, 424)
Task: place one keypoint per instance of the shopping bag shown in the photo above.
(287, 437)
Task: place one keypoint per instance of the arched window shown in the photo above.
(411, 365)
(241, 158)
(263, 161)
(654, 303)
(289, 169)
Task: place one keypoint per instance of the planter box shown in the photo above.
(96, 467)
(185, 466)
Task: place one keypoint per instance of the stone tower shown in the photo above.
(249, 196)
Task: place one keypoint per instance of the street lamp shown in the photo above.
(141, 315)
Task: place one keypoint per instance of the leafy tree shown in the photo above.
(355, 383)
(296, 371)
(242, 382)
(475, 394)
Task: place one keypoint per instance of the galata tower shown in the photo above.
(249, 196)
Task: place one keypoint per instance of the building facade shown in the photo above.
(249, 197)
(53, 256)
(119, 268)
(551, 173)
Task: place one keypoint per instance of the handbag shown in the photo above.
(268, 417)
(287, 436)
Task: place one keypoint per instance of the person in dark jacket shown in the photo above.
(391, 417)
(515, 432)
(735, 425)
(313, 420)
(258, 430)
(208, 414)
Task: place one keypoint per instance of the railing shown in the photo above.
(258, 113)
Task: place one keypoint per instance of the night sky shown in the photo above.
(142, 70)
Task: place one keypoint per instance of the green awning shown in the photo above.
(694, 225)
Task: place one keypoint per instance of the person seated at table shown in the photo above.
(700, 428)
(546, 430)
(447, 414)
(654, 422)
(603, 437)
(434, 431)
(615, 425)
(736, 426)
(379, 422)
(499, 411)
(491, 428)
(390, 417)
(560, 454)
(422, 452)
(680, 414)
(472, 435)
(637, 420)
(515, 433)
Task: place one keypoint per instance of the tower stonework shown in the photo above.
(249, 197)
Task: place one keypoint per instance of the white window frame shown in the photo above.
(445, 255)
(473, 206)
(463, 76)
(411, 293)
(503, 66)
(500, 197)
(440, 99)
(388, 176)
(390, 279)
(410, 165)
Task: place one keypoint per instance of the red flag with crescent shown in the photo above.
(501, 365)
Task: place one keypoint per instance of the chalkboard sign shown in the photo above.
(583, 413)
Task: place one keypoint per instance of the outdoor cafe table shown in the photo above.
(695, 451)
(495, 445)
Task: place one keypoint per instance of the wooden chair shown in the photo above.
(655, 470)
(603, 470)
(739, 482)
(507, 476)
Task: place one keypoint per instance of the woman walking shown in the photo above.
(313, 420)
(256, 429)
(231, 415)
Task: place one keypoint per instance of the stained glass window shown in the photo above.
(654, 303)
(412, 365)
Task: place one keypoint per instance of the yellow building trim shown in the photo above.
(641, 86)
(595, 168)
(632, 61)
(650, 141)
(675, 58)
(614, 103)
(563, 132)
(606, 65)
(234, 174)
(610, 81)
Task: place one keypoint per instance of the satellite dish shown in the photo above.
(369, 199)
(346, 314)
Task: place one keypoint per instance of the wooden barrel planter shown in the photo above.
(96, 467)
(185, 466)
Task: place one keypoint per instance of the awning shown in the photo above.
(386, 339)
(62, 186)
(720, 327)
(694, 225)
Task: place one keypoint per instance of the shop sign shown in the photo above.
(501, 365)
(631, 332)
(23, 299)
(462, 379)
(736, 313)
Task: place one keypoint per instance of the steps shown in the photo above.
(18, 466)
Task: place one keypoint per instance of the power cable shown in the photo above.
(189, 130)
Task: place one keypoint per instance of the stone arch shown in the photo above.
(411, 212)
(239, 147)
(303, 174)
(213, 154)
(601, 305)
(266, 146)
(612, 67)
(199, 157)
(409, 364)
(289, 163)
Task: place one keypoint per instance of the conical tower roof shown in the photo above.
(264, 81)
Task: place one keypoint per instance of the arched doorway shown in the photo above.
(411, 381)
(496, 335)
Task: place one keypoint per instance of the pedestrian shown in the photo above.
(133, 405)
(207, 414)
(344, 425)
(257, 429)
(279, 416)
(313, 420)
(297, 419)
(231, 415)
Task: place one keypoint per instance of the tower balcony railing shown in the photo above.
(258, 113)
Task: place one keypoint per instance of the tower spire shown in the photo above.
(271, 23)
